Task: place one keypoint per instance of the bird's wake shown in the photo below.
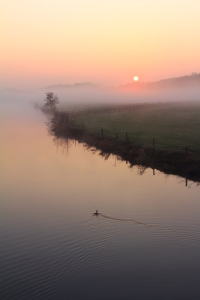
(123, 219)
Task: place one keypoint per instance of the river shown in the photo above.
(143, 244)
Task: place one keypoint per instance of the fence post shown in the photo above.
(126, 136)
(154, 142)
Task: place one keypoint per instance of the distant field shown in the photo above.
(174, 127)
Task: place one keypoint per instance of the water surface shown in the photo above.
(145, 244)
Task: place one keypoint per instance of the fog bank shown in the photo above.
(74, 98)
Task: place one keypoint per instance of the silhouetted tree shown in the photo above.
(51, 101)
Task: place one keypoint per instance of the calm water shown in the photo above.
(53, 247)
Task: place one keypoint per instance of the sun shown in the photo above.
(135, 78)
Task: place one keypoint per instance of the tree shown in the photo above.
(51, 101)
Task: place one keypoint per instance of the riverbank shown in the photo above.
(168, 126)
(170, 162)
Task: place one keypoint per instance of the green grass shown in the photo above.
(173, 126)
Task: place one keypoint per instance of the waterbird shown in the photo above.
(96, 213)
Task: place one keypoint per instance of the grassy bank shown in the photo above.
(174, 127)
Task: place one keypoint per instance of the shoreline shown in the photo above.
(169, 162)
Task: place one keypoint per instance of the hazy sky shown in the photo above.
(106, 41)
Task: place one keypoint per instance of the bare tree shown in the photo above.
(51, 101)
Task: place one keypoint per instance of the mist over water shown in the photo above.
(145, 242)
(78, 97)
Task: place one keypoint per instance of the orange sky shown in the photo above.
(107, 41)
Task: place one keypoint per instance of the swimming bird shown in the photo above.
(96, 213)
